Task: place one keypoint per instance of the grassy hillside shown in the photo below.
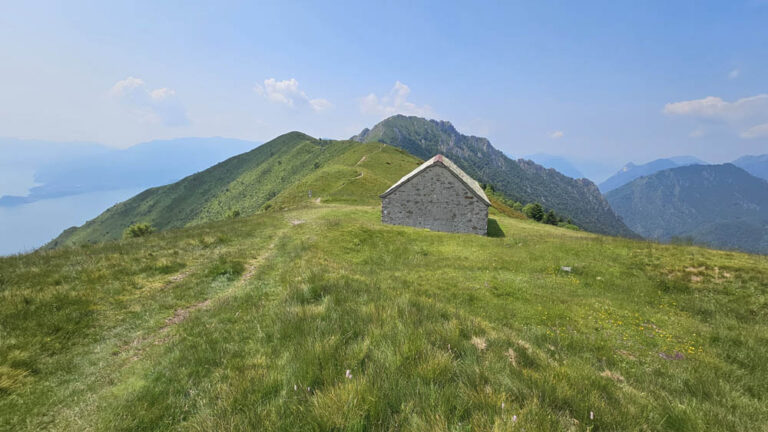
(521, 180)
(253, 323)
(718, 205)
(277, 174)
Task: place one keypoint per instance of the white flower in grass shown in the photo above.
(591, 415)
(295, 387)
(514, 418)
(348, 375)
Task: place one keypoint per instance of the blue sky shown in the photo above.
(601, 81)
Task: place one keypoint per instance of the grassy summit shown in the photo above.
(276, 175)
(252, 324)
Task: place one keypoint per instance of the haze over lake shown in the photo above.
(29, 226)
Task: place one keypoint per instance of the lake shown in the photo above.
(26, 227)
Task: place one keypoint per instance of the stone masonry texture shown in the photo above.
(437, 200)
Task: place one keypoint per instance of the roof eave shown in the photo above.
(482, 199)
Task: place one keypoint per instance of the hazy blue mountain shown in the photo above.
(755, 165)
(558, 163)
(90, 168)
(687, 160)
(631, 171)
(20, 159)
(521, 180)
(716, 205)
(36, 153)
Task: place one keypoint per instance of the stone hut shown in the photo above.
(437, 195)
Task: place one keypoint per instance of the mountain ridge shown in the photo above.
(520, 180)
(558, 163)
(757, 165)
(292, 169)
(631, 171)
(721, 206)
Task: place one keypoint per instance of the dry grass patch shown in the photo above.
(615, 376)
(479, 342)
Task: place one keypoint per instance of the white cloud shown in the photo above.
(162, 94)
(150, 106)
(556, 134)
(396, 102)
(742, 115)
(287, 93)
(734, 74)
(759, 131)
(320, 104)
(126, 86)
(712, 107)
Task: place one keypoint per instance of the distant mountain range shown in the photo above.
(62, 169)
(36, 153)
(721, 206)
(755, 165)
(631, 171)
(559, 163)
(21, 158)
(521, 180)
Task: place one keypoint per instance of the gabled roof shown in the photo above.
(441, 160)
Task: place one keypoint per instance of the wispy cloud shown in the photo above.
(716, 108)
(151, 106)
(162, 94)
(747, 116)
(759, 131)
(734, 74)
(556, 134)
(396, 102)
(287, 93)
(126, 87)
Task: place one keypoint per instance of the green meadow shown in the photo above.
(322, 318)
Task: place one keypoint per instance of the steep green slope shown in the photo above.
(718, 205)
(283, 170)
(253, 323)
(520, 180)
(357, 176)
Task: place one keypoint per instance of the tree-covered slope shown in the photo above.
(718, 205)
(524, 181)
(322, 318)
(277, 174)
